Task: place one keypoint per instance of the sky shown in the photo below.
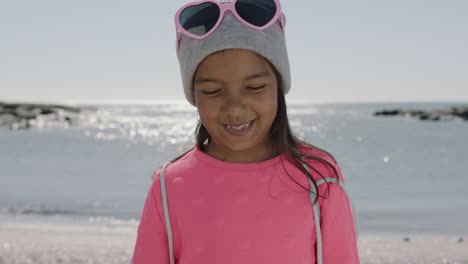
(339, 51)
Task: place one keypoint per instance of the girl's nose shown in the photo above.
(234, 104)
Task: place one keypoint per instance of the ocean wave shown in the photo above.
(37, 210)
(66, 216)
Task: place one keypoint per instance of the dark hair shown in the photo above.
(280, 133)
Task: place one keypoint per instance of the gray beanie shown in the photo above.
(232, 34)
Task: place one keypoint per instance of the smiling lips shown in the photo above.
(240, 130)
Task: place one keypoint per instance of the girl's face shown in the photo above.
(233, 88)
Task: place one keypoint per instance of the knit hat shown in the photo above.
(232, 34)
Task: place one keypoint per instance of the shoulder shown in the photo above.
(171, 169)
(316, 152)
(320, 161)
(332, 194)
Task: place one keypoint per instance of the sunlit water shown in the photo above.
(404, 175)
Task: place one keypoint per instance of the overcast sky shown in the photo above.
(339, 51)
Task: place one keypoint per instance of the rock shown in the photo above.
(388, 112)
(415, 113)
(462, 113)
(460, 240)
(23, 115)
(406, 239)
(429, 115)
(7, 118)
(46, 111)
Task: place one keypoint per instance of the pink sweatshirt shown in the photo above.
(244, 213)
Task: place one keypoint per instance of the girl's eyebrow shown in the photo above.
(257, 75)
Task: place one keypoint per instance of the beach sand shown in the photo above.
(47, 243)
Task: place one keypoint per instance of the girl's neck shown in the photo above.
(257, 154)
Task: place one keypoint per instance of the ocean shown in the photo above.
(404, 175)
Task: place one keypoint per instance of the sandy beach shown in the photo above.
(22, 243)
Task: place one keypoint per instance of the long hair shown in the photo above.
(282, 136)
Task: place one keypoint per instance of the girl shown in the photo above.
(249, 191)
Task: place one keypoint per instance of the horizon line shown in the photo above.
(184, 101)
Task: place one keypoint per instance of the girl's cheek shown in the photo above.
(266, 99)
(208, 110)
(203, 101)
(209, 105)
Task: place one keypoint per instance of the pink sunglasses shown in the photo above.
(199, 19)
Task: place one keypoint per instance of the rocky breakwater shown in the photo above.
(24, 115)
(431, 115)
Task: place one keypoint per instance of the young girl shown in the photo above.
(249, 191)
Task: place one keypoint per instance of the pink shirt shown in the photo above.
(244, 213)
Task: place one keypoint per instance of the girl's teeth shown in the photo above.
(239, 127)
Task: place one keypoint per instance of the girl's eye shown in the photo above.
(256, 88)
(210, 92)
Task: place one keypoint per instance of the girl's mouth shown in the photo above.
(239, 131)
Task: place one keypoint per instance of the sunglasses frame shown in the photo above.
(223, 7)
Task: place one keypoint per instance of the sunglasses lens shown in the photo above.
(199, 19)
(256, 12)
